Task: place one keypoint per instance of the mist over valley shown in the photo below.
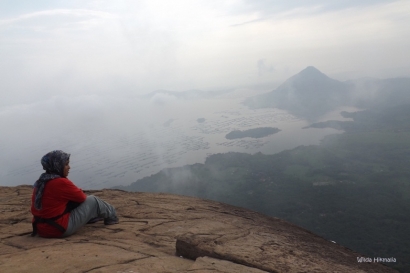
(116, 141)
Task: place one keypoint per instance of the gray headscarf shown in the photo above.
(53, 163)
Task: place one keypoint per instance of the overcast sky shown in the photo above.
(70, 68)
(78, 47)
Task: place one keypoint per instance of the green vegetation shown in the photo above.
(354, 188)
(254, 133)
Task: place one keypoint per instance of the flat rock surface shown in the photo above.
(169, 233)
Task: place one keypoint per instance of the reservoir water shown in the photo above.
(120, 140)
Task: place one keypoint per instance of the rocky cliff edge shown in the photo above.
(169, 233)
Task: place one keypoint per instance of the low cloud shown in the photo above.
(162, 99)
(263, 68)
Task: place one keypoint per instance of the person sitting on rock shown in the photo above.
(58, 206)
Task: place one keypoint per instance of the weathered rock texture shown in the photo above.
(155, 230)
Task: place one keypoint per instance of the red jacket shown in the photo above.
(56, 195)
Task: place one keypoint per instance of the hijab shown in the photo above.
(53, 163)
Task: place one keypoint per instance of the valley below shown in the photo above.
(109, 154)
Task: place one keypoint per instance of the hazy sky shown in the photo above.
(72, 48)
(71, 70)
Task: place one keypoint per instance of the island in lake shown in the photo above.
(254, 133)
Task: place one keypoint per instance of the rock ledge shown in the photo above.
(155, 230)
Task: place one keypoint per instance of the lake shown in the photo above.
(121, 140)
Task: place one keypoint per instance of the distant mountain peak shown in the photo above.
(310, 72)
(311, 68)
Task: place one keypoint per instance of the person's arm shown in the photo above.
(71, 192)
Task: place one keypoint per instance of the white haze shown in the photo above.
(72, 48)
(115, 141)
(72, 73)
